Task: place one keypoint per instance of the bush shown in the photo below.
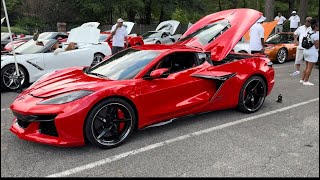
(15, 29)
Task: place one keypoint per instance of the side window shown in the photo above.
(202, 57)
(177, 62)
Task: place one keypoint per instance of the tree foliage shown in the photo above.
(43, 13)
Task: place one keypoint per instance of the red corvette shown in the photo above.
(133, 39)
(145, 85)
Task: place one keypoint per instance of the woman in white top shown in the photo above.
(311, 55)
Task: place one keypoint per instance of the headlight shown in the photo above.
(67, 97)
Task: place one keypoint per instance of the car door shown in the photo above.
(177, 94)
(66, 59)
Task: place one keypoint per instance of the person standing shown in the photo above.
(119, 36)
(294, 21)
(301, 32)
(256, 43)
(281, 20)
(311, 54)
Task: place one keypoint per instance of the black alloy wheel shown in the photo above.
(110, 123)
(10, 78)
(252, 95)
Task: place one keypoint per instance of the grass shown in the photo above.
(16, 30)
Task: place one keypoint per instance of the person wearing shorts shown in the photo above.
(301, 32)
(311, 54)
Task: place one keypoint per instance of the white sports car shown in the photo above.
(164, 33)
(36, 58)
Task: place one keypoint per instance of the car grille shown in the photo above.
(48, 128)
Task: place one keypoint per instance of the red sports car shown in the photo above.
(145, 85)
(133, 39)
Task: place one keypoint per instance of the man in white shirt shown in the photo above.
(300, 32)
(119, 36)
(256, 43)
(281, 20)
(294, 21)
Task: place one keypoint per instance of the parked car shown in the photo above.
(278, 47)
(145, 85)
(133, 39)
(164, 33)
(36, 58)
(5, 39)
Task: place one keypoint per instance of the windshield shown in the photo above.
(280, 38)
(32, 46)
(166, 27)
(103, 37)
(125, 64)
(151, 34)
(209, 32)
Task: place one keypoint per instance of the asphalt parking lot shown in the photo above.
(280, 140)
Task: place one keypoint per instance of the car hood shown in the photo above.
(128, 26)
(268, 28)
(86, 33)
(63, 81)
(228, 37)
(168, 26)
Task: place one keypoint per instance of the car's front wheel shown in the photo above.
(282, 55)
(10, 78)
(252, 95)
(110, 123)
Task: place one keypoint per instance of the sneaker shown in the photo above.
(308, 83)
(296, 73)
(301, 81)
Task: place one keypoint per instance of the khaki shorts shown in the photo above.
(299, 56)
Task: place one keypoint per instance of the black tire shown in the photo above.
(158, 42)
(104, 128)
(282, 55)
(252, 95)
(9, 79)
(97, 58)
(173, 40)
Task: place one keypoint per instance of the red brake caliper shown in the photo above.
(120, 115)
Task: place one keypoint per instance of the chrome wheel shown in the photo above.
(110, 123)
(252, 95)
(282, 55)
(10, 78)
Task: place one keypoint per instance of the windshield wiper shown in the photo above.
(97, 74)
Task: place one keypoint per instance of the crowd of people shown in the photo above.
(310, 30)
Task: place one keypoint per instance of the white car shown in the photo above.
(36, 58)
(164, 33)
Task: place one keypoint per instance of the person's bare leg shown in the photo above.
(308, 71)
(304, 72)
(297, 67)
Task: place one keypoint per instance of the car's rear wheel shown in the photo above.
(110, 123)
(9, 77)
(158, 42)
(98, 57)
(252, 95)
(282, 55)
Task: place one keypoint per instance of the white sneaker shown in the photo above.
(308, 83)
(296, 73)
(301, 81)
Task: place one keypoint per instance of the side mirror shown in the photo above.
(158, 73)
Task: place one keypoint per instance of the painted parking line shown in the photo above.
(5, 109)
(163, 143)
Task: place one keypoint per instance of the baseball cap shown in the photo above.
(120, 20)
(293, 12)
(261, 19)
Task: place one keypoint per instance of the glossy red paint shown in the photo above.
(132, 40)
(200, 88)
(224, 43)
